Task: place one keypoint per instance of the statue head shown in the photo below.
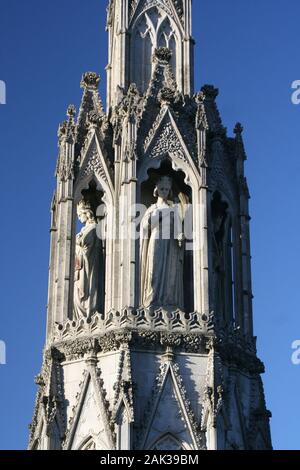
(163, 188)
(85, 212)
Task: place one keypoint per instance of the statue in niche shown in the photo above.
(88, 265)
(162, 251)
(219, 217)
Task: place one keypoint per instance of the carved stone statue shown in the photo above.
(219, 217)
(162, 252)
(88, 265)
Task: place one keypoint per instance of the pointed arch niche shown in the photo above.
(92, 190)
(223, 260)
(152, 29)
(92, 194)
(181, 194)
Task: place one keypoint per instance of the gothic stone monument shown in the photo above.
(149, 336)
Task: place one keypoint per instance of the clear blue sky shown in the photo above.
(247, 48)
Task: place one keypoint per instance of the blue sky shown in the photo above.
(250, 51)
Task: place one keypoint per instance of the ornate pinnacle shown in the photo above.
(240, 150)
(39, 380)
(210, 92)
(90, 80)
(71, 111)
(238, 130)
(65, 125)
(62, 129)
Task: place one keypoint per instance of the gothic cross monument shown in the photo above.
(149, 340)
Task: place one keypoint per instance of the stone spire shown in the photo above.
(149, 333)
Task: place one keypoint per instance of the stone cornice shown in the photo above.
(193, 333)
(135, 320)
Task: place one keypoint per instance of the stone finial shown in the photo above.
(94, 118)
(39, 380)
(70, 128)
(90, 80)
(62, 129)
(166, 95)
(133, 90)
(210, 92)
(168, 357)
(162, 55)
(71, 111)
(238, 130)
(240, 149)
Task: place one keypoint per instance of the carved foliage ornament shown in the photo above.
(168, 143)
(162, 55)
(94, 166)
(90, 80)
(163, 4)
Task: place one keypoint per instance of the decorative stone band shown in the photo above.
(192, 333)
(134, 320)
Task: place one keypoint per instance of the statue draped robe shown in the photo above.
(161, 258)
(88, 272)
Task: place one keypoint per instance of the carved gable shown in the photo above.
(165, 139)
(171, 420)
(93, 162)
(90, 418)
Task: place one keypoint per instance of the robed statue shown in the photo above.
(88, 265)
(219, 219)
(162, 251)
